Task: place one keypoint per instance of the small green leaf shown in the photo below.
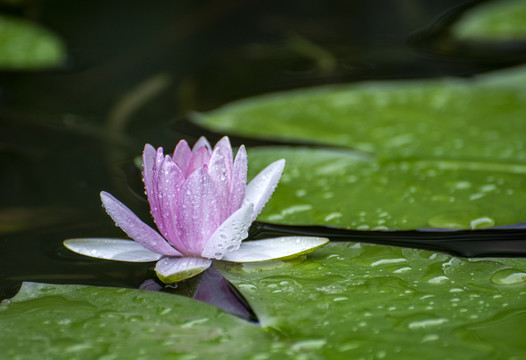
(493, 20)
(24, 45)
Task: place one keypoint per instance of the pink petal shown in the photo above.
(148, 163)
(224, 148)
(198, 213)
(153, 193)
(229, 234)
(239, 180)
(159, 157)
(200, 143)
(200, 158)
(220, 170)
(168, 186)
(134, 227)
(174, 269)
(263, 185)
(182, 155)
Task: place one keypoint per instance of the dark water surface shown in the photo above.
(134, 69)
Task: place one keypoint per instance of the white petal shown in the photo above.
(174, 269)
(275, 249)
(112, 249)
(262, 186)
(228, 236)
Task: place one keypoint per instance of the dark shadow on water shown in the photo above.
(209, 287)
(505, 241)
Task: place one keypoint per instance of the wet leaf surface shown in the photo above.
(343, 300)
(477, 119)
(431, 153)
(338, 188)
(493, 21)
(370, 301)
(82, 322)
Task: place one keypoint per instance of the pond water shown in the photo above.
(134, 71)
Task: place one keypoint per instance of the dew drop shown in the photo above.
(438, 280)
(450, 221)
(301, 192)
(422, 324)
(333, 215)
(508, 277)
(488, 187)
(482, 222)
(476, 196)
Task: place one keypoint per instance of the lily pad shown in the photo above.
(363, 301)
(373, 302)
(493, 20)
(340, 188)
(82, 322)
(25, 45)
(443, 153)
(480, 119)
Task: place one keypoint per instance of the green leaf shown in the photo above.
(431, 153)
(493, 20)
(340, 188)
(24, 45)
(82, 322)
(344, 300)
(481, 119)
(372, 302)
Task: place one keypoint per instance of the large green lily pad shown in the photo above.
(480, 119)
(24, 45)
(343, 189)
(373, 302)
(493, 20)
(82, 322)
(342, 301)
(430, 153)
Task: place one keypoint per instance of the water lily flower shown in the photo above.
(202, 207)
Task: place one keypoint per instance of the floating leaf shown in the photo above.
(24, 45)
(431, 153)
(480, 119)
(342, 301)
(339, 188)
(369, 301)
(493, 20)
(82, 322)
